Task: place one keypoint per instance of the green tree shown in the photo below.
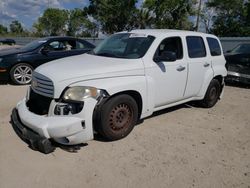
(77, 18)
(172, 14)
(3, 29)
(52, 22)
(233, 17)
(207, 15)
(91, 29)
(113, 15)
(143, 19)
(16, 27)
(79, 24)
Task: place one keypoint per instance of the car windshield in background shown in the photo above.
(34, 44)
(242, 48)
(124, 45)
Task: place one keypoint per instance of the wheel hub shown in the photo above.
(213, 93)
(23, 74)
(120, 117)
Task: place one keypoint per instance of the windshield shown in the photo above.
(34, 44)
(124, 45)
(242, 48)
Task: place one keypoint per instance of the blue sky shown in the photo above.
(27, 11)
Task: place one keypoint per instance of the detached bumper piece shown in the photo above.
(34, 140)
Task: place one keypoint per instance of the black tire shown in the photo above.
(117, 117)
(212, 94)
(21, 74)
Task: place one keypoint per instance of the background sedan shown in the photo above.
(238, 64)
(18, 64)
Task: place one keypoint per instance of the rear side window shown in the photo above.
(196, 47)
(82, 45)
(214, 46)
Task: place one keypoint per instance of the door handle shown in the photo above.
(206, 64)
(180, 68)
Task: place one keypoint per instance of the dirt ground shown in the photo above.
(180, 147)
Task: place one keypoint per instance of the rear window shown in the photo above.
(214, 46)
(196, 47)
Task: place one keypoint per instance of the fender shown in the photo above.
(120, 84)
(205, 85)
(217, 72)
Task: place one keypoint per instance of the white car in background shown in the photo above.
(127, 77)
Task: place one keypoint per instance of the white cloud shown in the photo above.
(27, 11)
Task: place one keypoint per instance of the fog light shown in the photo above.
(68, 109)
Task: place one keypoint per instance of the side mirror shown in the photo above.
(166, 56)
(45, 51)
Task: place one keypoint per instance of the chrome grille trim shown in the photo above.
(42, 85)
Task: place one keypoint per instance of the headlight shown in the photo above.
(1, 59)
(79, 93)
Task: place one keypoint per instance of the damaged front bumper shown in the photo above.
(35, 141)
(64, 129)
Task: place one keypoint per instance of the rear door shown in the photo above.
(199, 65)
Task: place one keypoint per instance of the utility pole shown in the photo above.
(48, 3)
(198, 16)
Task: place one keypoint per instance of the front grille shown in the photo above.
(38, 104)
(42, 85)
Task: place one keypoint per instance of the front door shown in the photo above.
(169, 77)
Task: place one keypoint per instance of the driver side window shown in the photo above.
(172, 44)
(64, 45)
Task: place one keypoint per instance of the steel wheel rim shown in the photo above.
(213, 93)
(23, 74)
(120, 117)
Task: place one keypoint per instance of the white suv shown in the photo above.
(127, 77)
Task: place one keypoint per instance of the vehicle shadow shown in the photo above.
(70, 148)
(171, 109)
(98, 137)
(4, 82)
(8, 83)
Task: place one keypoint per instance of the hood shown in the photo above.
(11, 51)
(86, 67)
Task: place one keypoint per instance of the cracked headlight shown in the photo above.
(79, 93)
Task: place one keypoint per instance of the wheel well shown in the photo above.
(219, 78)
(136, 96)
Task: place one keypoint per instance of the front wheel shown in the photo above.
(117, 117)
(212, 94)
(21, 74)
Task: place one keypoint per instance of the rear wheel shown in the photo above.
(21, 74)
(117, 117)
(212, 94)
